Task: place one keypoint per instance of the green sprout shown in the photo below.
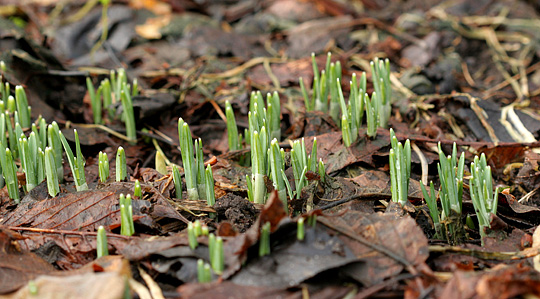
(129, 116)
(277, 166)
(264, 240)
(76, 163)
(334, 79)
(273, 115)
(10, 174)
(13, 141)
(250, 191)
(400, 169)
(22, 106)
(28, 154)
(215, 250)
(190, 168)
(217, 258)
(380, 73)
(102, 247)
(127, 227)
(211, 246)
(192, 236)
(258, 166)
(103, 168)
(205, 230)
(312, 220)
(451, 192)
(11, 104)
(198, 228)
(431, 201)
(121, 167)
(346, 131)
(177, 182)
(42, 132)
(116, 83)
(353, 111)
(210, 194)
(372, 114)
(4, 90)
(270, 118)
(203, 272)
(232, 129)
(56, 146)
(50, 170)
(302, 163)
(322, 170)
(18, 132)
(199, 162)
(113, 90)
(451, 176)
(107, 96)
(319, 95)
(356, 103)
(287, 184)
(41, 165)
(256, 107)
(300, 230)
(137, 191)
(95, 100)
(481, 188)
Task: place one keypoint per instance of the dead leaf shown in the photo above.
(18, 266)
(399, 235)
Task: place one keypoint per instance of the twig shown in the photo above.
(63, 232)
(501, 256)
(366, 293)
(335, 203)
(365, 242)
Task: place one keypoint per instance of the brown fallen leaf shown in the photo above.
(106, 285)
(396, 243)
(501, 282)
(227, 289)
(18, 266)
(85, 211)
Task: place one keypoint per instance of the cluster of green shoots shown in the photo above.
(111, 91)
(327, 89)
(127, 227)
(215, 251)
(199, 180)
(267, 157)
(481, 188)
(400, 169)
(450, 170)
(302, 162)
(39, 153)
(448, 222)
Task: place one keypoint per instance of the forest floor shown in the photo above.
(462, 71)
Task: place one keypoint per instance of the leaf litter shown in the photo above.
(463, 72)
